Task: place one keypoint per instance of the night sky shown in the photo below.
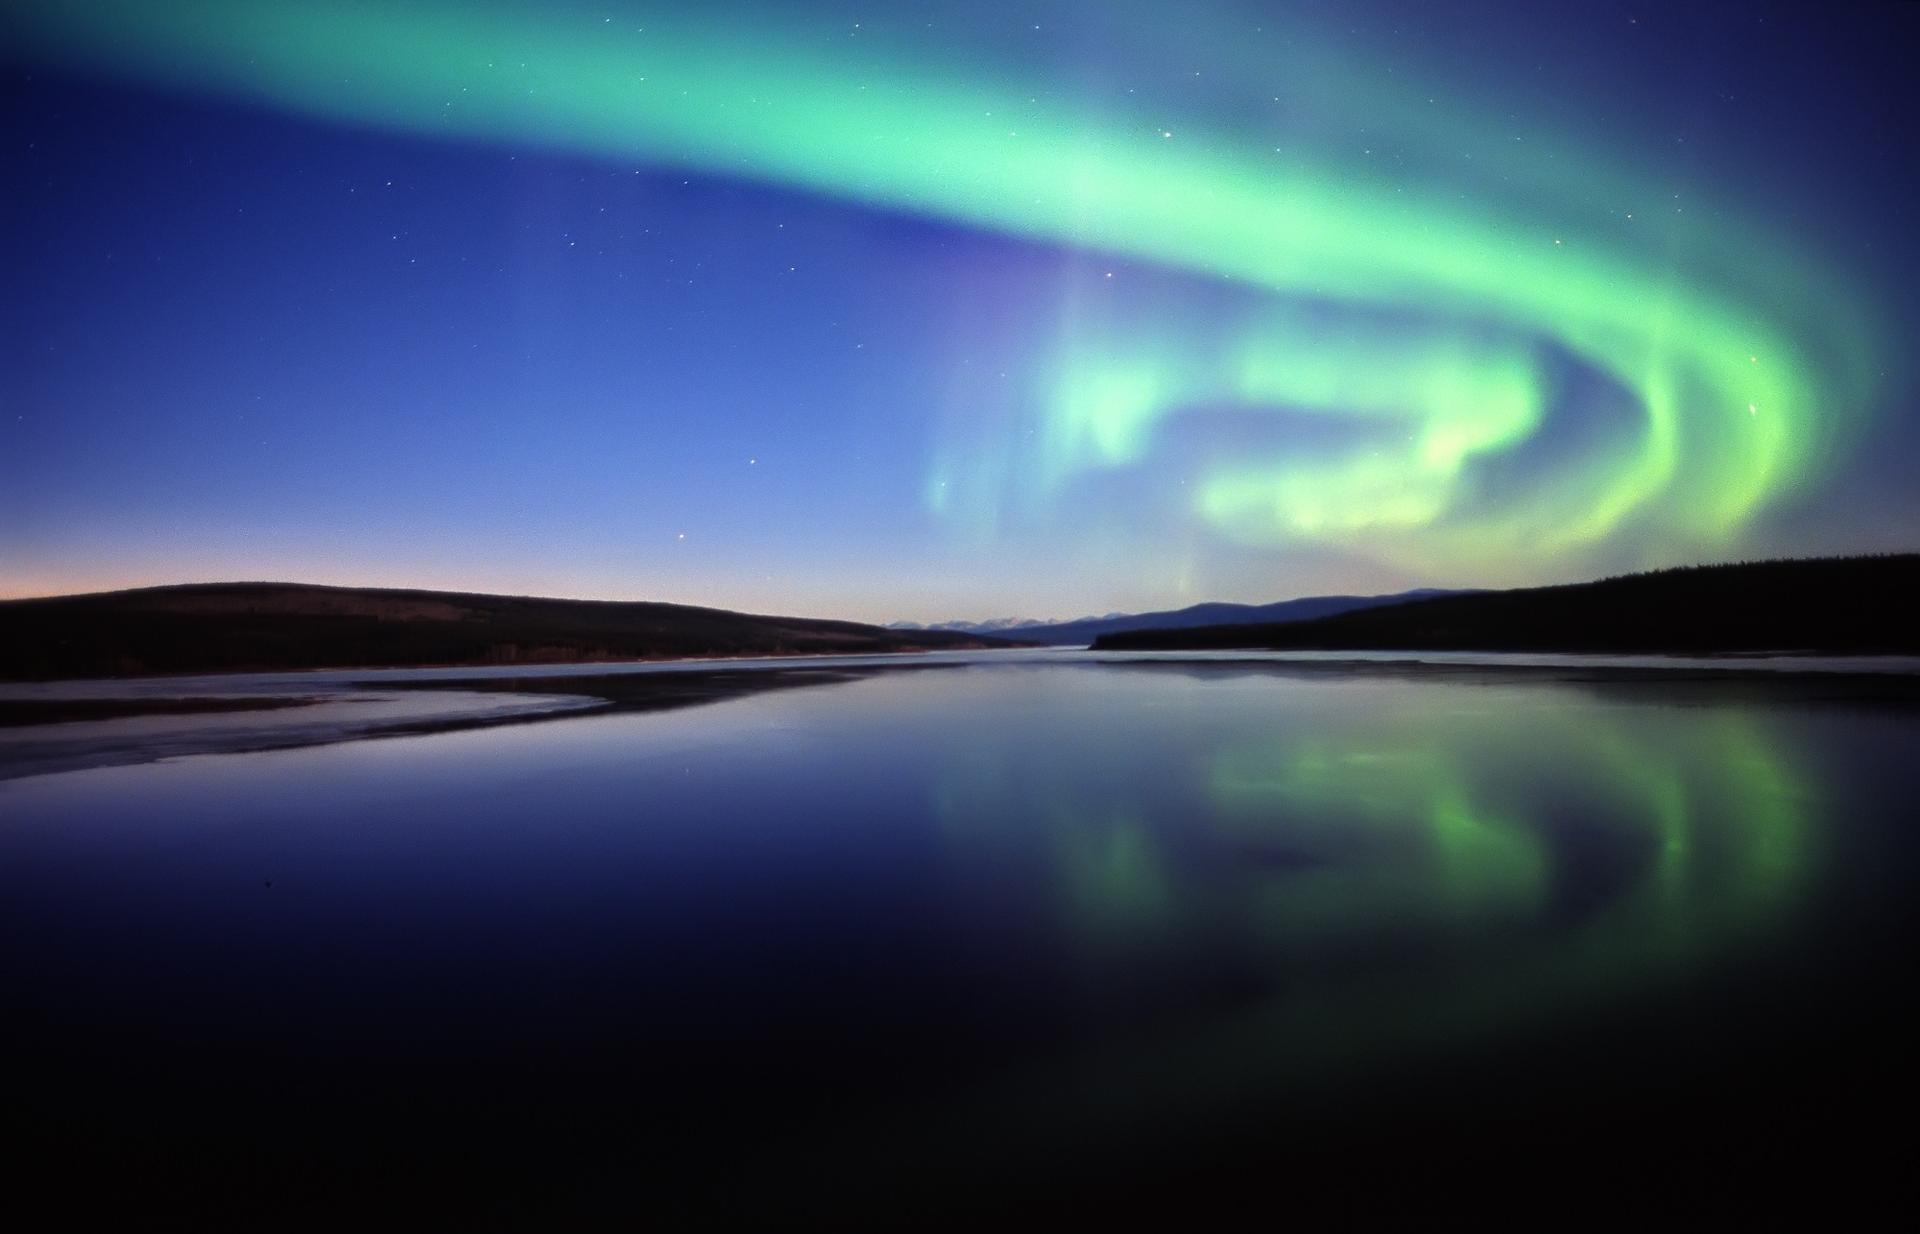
(925, 311)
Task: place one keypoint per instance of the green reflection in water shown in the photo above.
(1398, 879)
(1395, 832)
(1117, 881)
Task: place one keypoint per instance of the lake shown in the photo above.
(985, 929)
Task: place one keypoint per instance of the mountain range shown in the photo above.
(1825, 604)
(1085, 630)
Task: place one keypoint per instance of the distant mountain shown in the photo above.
(222, 627)
(1831, 604)
(998, 625)
(1086, 629)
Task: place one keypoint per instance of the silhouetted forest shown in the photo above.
(1831, 604)
(222, 627)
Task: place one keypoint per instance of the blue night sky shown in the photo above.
(925, 311)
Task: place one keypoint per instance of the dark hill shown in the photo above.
(223, 627)
(1832, 604)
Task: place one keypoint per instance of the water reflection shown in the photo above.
(959, 922)
(1359, 880)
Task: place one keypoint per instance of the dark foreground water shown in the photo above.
(967, 937)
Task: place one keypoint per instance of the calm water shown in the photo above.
(976, 929)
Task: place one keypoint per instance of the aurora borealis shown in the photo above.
(1282, 300)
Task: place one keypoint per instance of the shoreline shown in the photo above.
(529, 666)
(107, 731)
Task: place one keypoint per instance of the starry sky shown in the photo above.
(950, 310)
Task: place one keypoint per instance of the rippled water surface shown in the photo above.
(977, 926)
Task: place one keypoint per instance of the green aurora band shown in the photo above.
(1424, 313)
